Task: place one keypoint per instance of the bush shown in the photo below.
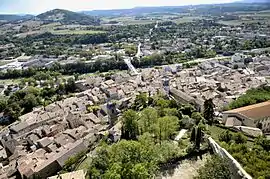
(187, 122)
(215, 168)
(225, 136)
(239, 138)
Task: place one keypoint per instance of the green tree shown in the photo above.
(239, 138)
(208, 113)
(263, 142)
(29, 102)
(13, 110)
(93, 109)
(165, 127)
(141, 101)
(215, 168)
(70, 86)
(170, 112)
(73, 161)
(3, 103)
(197, 117)
(187, 109)
(130, 50)
(126, 159)
(147, 120)
(186, 122)
(196, 136)
(130, 128)
(76, 76)
(225, 136)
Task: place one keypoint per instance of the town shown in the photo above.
(69, 85)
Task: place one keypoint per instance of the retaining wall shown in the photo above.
(237, 171)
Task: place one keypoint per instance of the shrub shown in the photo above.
(225, 136)
(215, 168)
(239, 138)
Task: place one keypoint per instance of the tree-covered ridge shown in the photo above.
(252, 96)
(68, 17)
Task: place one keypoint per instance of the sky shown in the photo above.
(39, 6)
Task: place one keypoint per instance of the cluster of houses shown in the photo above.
(42, 140)
(213, 80)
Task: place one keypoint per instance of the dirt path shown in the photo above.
(187, 169)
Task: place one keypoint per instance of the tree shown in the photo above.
(125, 159)
(30, 101)
(196, 137)
(130, 128)
(264, 142)
(165, 127)
(76, 76)
(225, 136)
(170, 112)
(187, 109)
(70, 86)
(187, 122)
(130, 50)
(147, 120)
(72, 161)
(3, 104)
(208, 113)
(215, 168)
(141, 101)
(13, 110)
(239, 138)
(100, 163)
(197, 117)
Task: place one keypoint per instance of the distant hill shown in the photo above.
(68, 17)
(11, 17)
(255, 1)
(204, 9)
(138, 11)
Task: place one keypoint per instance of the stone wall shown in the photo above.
(237, 171)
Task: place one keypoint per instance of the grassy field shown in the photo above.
(186, 19)
(131, 20)
(10, 81)
(51, 25)
(232, 22)
(76, 32)
(128, 20)
(247, 20)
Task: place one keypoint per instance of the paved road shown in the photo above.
(139, 52)
(131, 67)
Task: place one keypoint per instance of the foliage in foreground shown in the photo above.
(215, 168)
(132, 159)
